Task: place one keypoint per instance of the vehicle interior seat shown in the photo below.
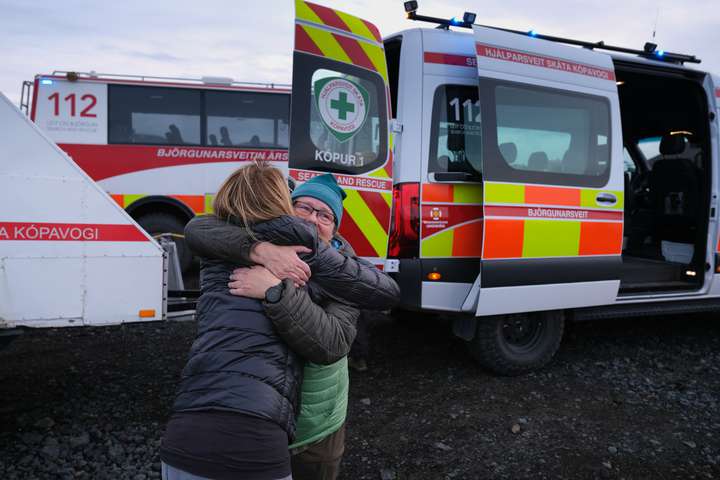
(674, 185)
(538, 162)
(509, 152)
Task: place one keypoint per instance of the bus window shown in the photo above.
(247, 119)
(153, 115)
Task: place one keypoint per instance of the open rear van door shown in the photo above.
(339, 119)
(552, 175)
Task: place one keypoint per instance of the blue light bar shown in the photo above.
(533, 33)
(46, 81)
(660, 53)
(456, 21)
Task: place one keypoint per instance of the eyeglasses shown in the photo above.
(305, 210)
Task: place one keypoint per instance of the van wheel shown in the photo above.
(157, 223)
(519, 343)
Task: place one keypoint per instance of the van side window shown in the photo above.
(247, 119)
(554, 137)
(455, 135)
(154, 115)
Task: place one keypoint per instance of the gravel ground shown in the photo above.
(631, 399)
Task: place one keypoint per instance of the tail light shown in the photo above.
(405, 227)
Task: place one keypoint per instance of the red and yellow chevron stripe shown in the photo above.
(332, 34)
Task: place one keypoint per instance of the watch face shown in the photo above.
(273, 294)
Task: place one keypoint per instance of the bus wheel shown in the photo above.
(157, 223)
(518, 343)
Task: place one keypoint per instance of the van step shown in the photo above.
(647, 309)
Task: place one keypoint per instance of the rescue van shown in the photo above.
(535, 180)
(160, 146)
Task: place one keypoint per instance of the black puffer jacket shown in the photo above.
(238, 362)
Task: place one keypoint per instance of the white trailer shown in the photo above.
(69, 255)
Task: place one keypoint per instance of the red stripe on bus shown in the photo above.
(105, 161)
(551, 63)
(355, 52)
(448, 59)
(304, 43)
(70, 232)
(553, 213)
(328, 16)
(353, 234)
(373, 29)
(378, 206)
(717, 92)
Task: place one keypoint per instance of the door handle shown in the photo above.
(607, 198)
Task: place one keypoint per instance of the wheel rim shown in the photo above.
(522, 332)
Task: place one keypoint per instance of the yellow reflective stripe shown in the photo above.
(387, 196)
(551, 238)
(129, 199)
(467, 193)
(327, 44)
(504, 193)
(439, 245)
(377, 57)
(356, 25)
(588, 198)
(303, 12)
(366, 220)
(379, 173)
(209, 198)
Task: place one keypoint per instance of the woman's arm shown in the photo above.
(347, 278)
(210, 237)
(321, 334)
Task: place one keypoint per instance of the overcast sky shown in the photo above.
(251, 40)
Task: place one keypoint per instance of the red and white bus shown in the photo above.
(161, 146)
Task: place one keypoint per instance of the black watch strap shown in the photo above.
(274, 294)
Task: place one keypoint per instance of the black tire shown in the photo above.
(516, 344)
(157, 223)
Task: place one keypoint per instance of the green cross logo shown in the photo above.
(343, 106)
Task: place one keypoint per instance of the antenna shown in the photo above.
(657, 16)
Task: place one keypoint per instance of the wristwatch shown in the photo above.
(274, 294)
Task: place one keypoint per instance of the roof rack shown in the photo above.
(214, 81)
(649, 50)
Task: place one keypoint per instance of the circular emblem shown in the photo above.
(343, 106)
(435, 214)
